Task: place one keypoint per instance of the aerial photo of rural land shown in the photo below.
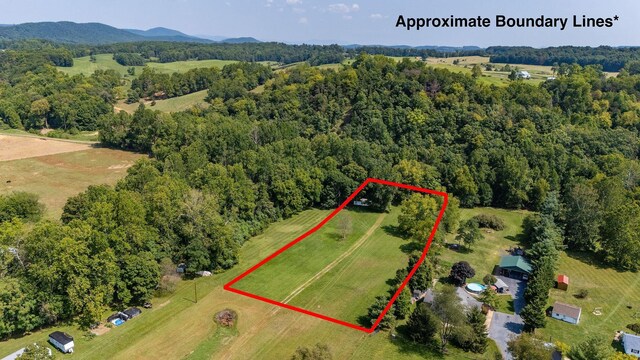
(319, 180)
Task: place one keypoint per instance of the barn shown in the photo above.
(566, 312)
(62, 341)
(563, 282)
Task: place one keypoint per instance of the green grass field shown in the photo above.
(487, 252)
(316, 275)
(54, 178)
(179, 328)
(83, 65)
(617, 293)
(175, 104)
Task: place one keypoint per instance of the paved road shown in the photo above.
(516, 288)
(505, 326)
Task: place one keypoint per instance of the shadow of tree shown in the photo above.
(393, 230)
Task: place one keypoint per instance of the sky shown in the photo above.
(352, 22)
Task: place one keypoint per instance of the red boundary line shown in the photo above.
(445, 197)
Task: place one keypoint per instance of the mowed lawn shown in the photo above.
(331, 276)
(616, 293)
(57, 177)
(486, 253)
(179, 328)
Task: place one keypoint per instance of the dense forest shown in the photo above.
(232, 81)
(566, 148)
(610, 58)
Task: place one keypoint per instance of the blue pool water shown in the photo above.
(118, 322)
(476, 287)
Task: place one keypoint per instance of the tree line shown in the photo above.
(610, 58)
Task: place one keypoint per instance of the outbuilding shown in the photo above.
(362, 202)
(566, 312)
(501, 286)
(563, 282)
(132, 312)
(515, 267)
(631, 344)
(523, 75)
(62, 341)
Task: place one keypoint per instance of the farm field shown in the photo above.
(14, 147)
(56, 176)
(179, 328)
(175, 104)
(334, 277)
(83, 65)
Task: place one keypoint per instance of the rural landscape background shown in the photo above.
(143, 167)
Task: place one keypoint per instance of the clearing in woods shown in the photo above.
(179, 103)
(84, 65)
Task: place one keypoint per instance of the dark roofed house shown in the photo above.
(515, 267)
(132, 312)
(566, 312)
(62, 341)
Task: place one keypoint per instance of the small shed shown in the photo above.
(563, 282)
(62, 341)
(523, 74)
(132, 312)
(631, 344)
(182, 268)
(361, 202)
(566, 312)
(501, 286)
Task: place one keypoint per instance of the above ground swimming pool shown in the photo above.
(476, 288)
(118, 322)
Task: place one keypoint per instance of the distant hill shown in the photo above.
(164, 34)
(68, 32)
(240, 40)
(90, 33)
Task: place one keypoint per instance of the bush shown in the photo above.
(20, 205)
(489, 279)
(634, 327)
(489, 221)
(582, 294)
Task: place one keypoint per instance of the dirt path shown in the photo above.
(243, 338)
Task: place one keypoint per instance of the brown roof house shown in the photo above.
(566, 312)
